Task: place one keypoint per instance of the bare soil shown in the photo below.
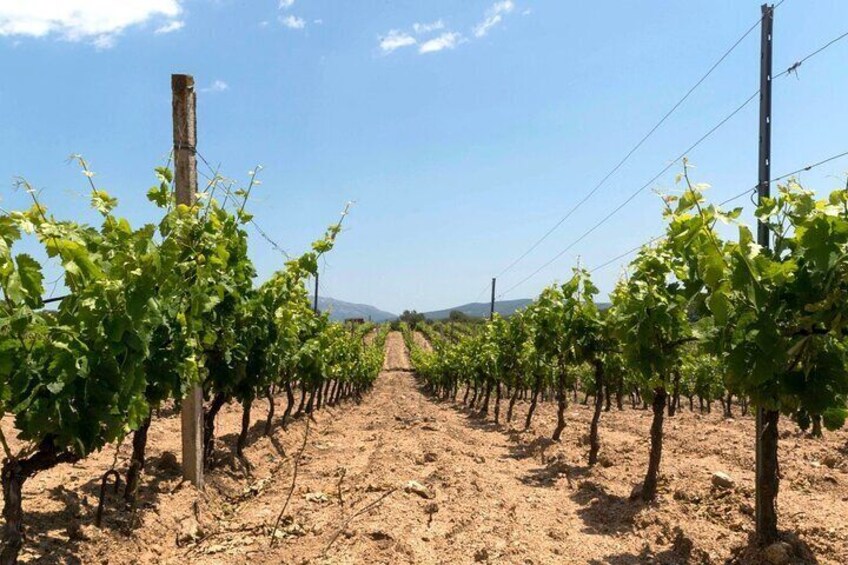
(482, 493)
(421, 341)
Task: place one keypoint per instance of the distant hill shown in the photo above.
(340, 310)
(481, 309)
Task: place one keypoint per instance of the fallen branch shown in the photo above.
(342, 474)
(294, 481)
(359, 512)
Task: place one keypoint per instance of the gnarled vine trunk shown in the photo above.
(269, 422)
(594, 442)
(674, 401)
(289, 404)
(302, 399)
(649, 487)
(209, 426)
(766, 519)
(241, 442)
(512, 399)
(137, 460)
(484, 410)
(561, 405)
(537, 386)
(498, 403)
(15, 473)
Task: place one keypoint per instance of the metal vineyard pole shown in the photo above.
(766, 440)
(315, 302)
(492, 307)
(184, 103)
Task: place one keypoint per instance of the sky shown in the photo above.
(462, 130)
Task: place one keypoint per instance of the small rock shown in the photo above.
(831, 461)
(481, 555)
(777, 553)
(294, 530)
(722, 480)
(479, 459)
(168, 462)
(189, 531)
(318, 497)
(415, 487)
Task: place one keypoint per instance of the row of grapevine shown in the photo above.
(697, 314)
(150, 312)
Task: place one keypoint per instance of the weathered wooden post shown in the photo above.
(184, 105)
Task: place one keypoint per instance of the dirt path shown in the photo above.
(422, 341)
(487, 503)
(493, 494)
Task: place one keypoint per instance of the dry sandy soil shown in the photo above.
(484, 493)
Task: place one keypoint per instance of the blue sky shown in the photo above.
(463, 130)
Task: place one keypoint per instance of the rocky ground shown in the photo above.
(401, 478)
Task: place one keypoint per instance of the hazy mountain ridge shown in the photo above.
(340, 310)
(481, 309)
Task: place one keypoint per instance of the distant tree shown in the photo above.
(412, 319)
(458, 316)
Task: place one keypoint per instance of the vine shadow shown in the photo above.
(604, 513)
(682, 550)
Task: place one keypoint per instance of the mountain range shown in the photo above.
(481, 309)
(340, 310)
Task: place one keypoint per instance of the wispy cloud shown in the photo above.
(436, 36)
(396, 39)
(99, 22)
(422, 35)
(286, 4)
(293, 22)
(216, 86)
(494, 16)
(420, 28)
(170, 27)
(447, 40)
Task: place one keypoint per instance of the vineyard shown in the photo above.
(152, 312)
(167, 398)
(565, 432)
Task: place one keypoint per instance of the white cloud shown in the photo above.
(106, 41)
(216, 86)
(170, 27)
(396, 39)
(447, 40)
(97, 21)
(494, 16)
(286, 4)
(293, 22)
(419, 28)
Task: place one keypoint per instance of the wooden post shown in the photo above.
(184, 103)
